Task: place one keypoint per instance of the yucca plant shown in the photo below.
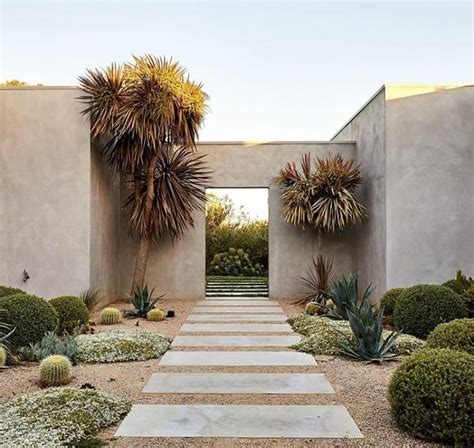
(317, 280)
(140, 113)
(142, 302)
(368, 344)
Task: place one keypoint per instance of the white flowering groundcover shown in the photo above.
(59, 416)
(323, 337)
(121, 346)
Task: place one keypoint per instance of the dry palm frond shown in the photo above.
(317, 280)
(180, 181)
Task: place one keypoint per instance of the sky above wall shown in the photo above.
(275, 70)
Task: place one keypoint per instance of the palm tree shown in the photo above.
(143, 111)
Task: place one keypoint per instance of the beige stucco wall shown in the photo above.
(179, 270)
(44, 191)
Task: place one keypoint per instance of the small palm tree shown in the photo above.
(143, 111)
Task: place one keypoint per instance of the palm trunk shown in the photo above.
(145, 237)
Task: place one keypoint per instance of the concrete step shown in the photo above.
(235, 328)
(237, 310)
(237, 317)
(235, 341)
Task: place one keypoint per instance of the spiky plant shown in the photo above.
(3, 355)
(55, 370)
(110, 316)
(156, 315)
(344, 296)
(368, 344)
(140, 110)
(91, 297)
(317, 280)
(143, 302)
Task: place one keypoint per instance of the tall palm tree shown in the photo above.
(143, 111)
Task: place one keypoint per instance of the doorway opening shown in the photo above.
(237, 242)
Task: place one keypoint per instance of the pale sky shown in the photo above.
(275, 70)
(253, 200)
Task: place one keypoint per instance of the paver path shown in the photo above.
(207, 349)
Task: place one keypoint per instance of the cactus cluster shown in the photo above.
(110, 316)
(3, 356)
(156, 315)
(55, 370)
(235, 262)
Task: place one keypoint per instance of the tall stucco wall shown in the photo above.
(367, 129)
(430, 183)
(44, 191)
(179, 270)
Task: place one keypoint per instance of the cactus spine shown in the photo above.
(156, 315)
(110, 316)
(55, 370)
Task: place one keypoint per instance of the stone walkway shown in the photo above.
(243, 321)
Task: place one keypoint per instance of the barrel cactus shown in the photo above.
(312, 308)
(156, 315)
(3, 356)
(110, 316)
(55, 370)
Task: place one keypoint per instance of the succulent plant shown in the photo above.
(142, 302)
(3, 356)
(55, 370)
(344, 295)
(312, 308)
(110, 316)
(156, 315)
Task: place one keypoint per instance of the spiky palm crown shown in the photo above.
(324, 198)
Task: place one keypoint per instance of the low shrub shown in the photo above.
(121, 346)
(6, 291)
(55, 370)
(324, 336)
(110, 316)
(236, 262)
(431, 395)
(388, 300)
(421, 308)
(59, 417)
(31, 316)
(456, 335)
(72, 312)
(50, 344)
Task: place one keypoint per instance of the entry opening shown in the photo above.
(237, 242)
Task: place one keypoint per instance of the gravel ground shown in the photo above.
(361, 388)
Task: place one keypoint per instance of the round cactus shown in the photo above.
(110, 316)
(311, 308)
(156, 315)
(3, 356)
(55, 370)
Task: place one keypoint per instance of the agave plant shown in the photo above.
(6, 330)
(317, 280)
(368, 344)
(142, 301)
(344, 293)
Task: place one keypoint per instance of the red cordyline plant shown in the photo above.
(146, 115)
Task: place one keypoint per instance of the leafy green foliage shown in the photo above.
(9, 291)
(368, 343)
(324, 198)
(419, 309)
(235, 262)
(463, 286)
(110, 316)
(50, 344)
(72, 312)
(142, 302)
(58, 417)
(456, 335)
(31, 316)
(55, 370)
(388, 300)
(431, 394)
(317, 280)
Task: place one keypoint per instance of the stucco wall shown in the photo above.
(179, 270)
(367, 129)
(430, 183)
(44, 191)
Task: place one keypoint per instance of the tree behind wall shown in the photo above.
(144, 110)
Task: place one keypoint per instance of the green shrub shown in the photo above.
(58, 416)
(421, 308)
(388, 300)
(6, 291)
(235, 262)
(55, 370)
(72, 312)
(456, 335)
(431, 394)
(31, 316)
(464, 286)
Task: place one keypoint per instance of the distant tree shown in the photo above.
(13, 83)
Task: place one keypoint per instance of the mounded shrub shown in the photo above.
(456, 335)
(6, 291)
(72, 312)
(455, 285)
(431, 395)
(419, 309)
(110, 316)
(388, 300)
(59, 416)
(31, 316)
(156, 315)
(55, 370)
